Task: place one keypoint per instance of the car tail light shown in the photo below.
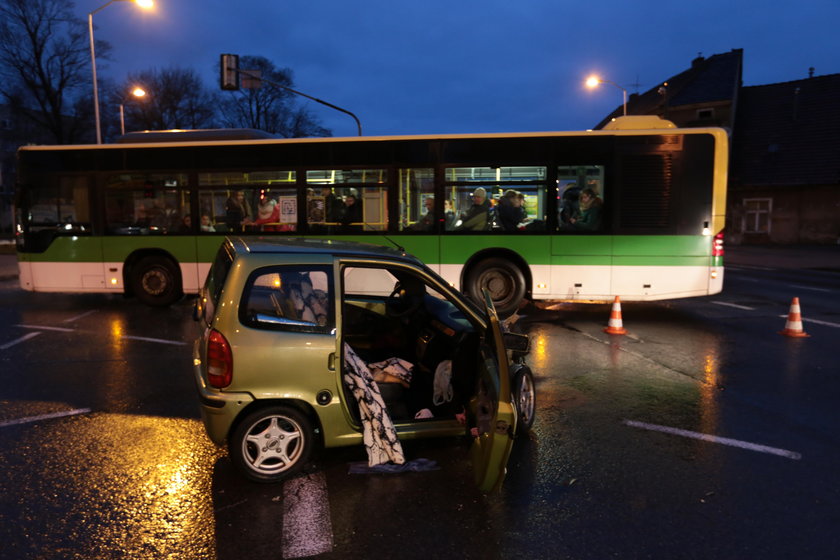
(717, 245)
(219, 360)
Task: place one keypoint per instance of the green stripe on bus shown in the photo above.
(181, 247)
(570, 250)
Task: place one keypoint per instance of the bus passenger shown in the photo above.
(427, 220)
(588, 217)
(236, 211)
(510, 210)
(449, 216)
(206, 223)
(268, 214)
(333, 206)
(351, 220)
(186, 225)
(477, 217)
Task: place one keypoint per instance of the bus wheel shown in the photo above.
(155, 282)
(503, 279)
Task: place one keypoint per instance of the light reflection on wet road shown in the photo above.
(112, 485)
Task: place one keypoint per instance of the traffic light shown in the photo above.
(230, 72)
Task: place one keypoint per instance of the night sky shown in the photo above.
(453, 66)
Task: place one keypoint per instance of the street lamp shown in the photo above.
(594, 81)
(145, 4)
(136, 92)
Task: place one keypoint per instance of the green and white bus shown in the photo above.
(635, 210)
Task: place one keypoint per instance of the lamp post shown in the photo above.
(136, 92)
(145, 4)
(594, 81)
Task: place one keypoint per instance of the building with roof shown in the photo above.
(784, 172)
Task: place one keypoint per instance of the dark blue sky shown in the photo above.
(470, 65)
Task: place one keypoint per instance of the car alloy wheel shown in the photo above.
(271, 444)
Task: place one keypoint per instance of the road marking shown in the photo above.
(30, 419)
(307, 528)
(818, 322)
(158, 340)
(798, 287)
(715, 439)
(19, 340)
(77, 317)
(735, 305)
(42, 328)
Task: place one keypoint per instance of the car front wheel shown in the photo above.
(271, 444)
(525, 397)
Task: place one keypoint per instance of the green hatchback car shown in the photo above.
(284, 321)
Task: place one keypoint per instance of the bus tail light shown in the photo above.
(219, 360)
(717, 245)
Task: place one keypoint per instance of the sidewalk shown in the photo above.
(817, 257)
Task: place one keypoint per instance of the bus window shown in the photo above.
(56, 210)
(417, 199)
(477, 192)
(258, 201)
(146, 204)
(347, 200)
(65, 208)
(580, 197)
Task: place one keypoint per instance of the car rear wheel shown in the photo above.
(503, 279)
(525, 397)
(271, 444)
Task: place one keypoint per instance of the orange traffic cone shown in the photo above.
(615, 326)
(793, 326)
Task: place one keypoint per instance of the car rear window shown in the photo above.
(216, 279)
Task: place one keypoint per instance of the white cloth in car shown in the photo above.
(443, 383)
(380, 436)
(394, 370)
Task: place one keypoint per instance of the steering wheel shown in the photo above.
(400, 303)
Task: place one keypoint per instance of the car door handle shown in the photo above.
(331, 361)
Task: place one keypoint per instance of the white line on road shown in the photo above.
(818, 322)
(77, 317)
(735, 305)
(715, 439)
(798, 287)
(158, 340)
(19, 340)
(31, 419)
(42, 328)
(307, 528)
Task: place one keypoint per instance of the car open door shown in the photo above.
(491, 408)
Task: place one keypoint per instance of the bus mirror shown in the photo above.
(229, 66)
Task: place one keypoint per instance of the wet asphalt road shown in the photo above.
(127, 472)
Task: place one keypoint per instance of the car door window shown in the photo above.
(290, 298)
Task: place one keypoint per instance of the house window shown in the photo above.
(705, 114)
(757, 215)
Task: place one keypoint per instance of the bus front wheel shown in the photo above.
(503, 279)
(155, 281)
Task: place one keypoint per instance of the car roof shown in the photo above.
(304, 245)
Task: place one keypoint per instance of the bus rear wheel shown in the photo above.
(503, 279)
(155, 281)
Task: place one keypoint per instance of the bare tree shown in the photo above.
(176, 98)
(44, 61)
(268, 107)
